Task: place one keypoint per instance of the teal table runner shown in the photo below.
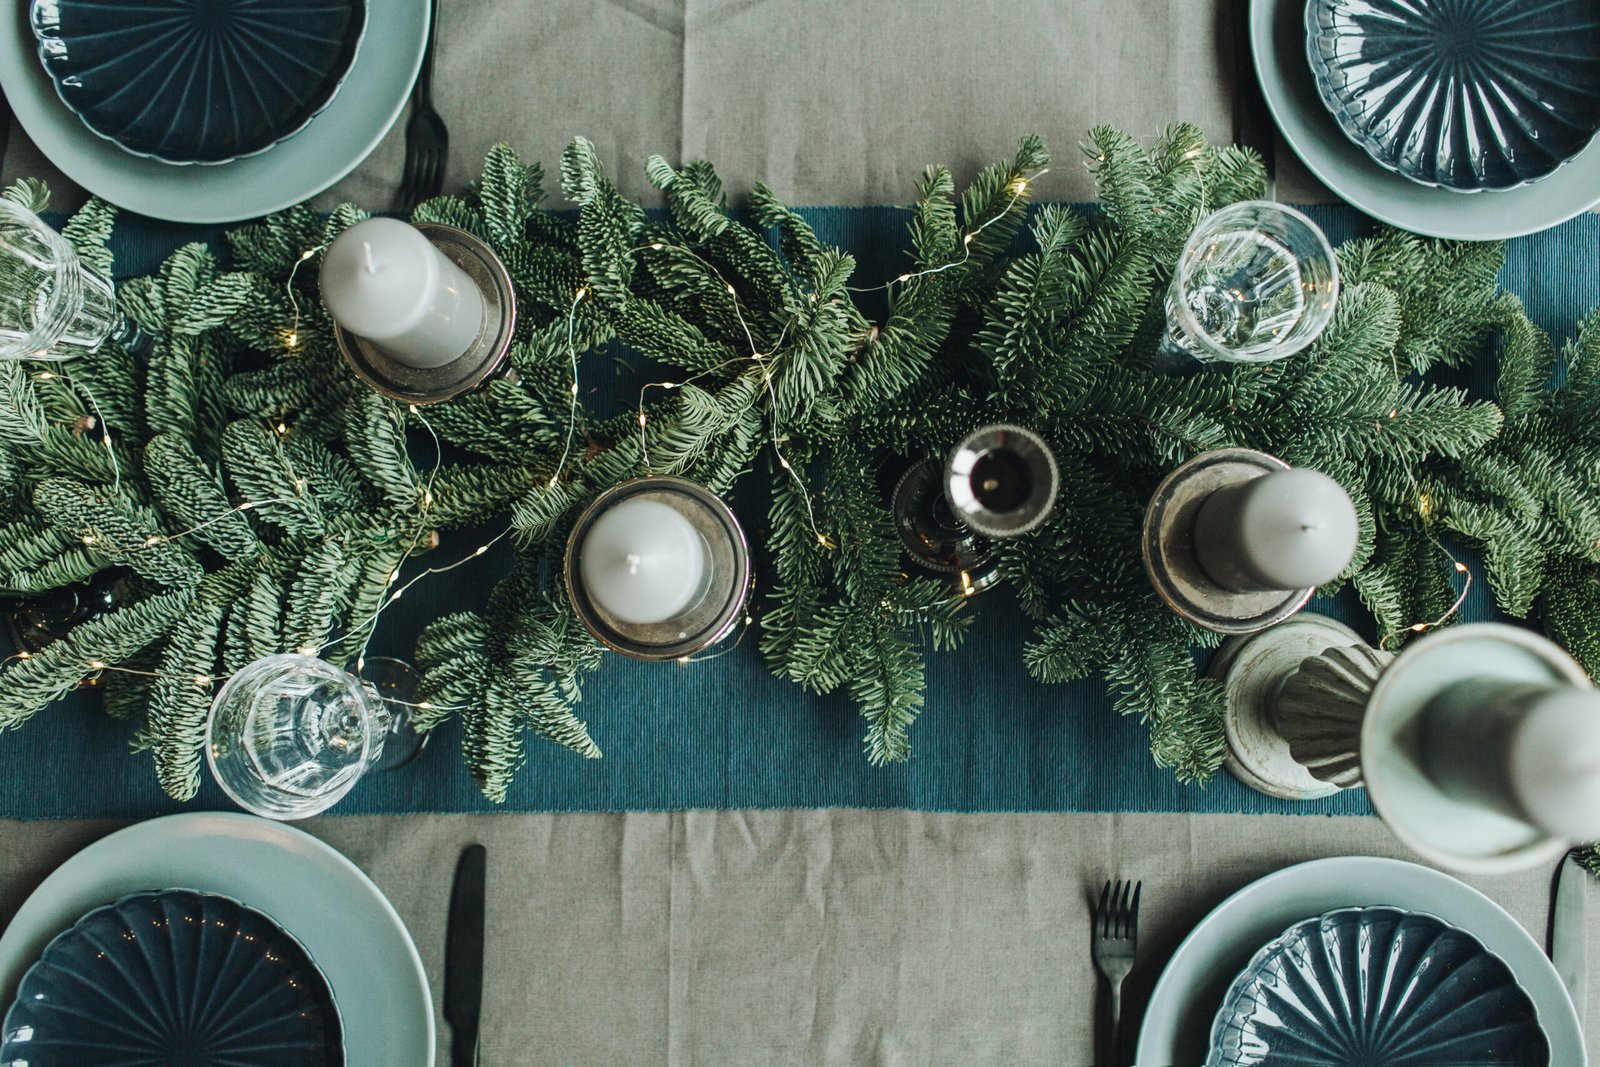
(726, 733)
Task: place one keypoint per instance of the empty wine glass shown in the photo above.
(396, 683)
(1256, 282)
(52, 306)
(289, 735)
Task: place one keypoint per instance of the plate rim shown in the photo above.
(327, 986)
(1318, 879)
(19, 944)
(1479, 217)
(246, 188)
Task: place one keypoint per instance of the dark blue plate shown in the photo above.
(173, 979)
(197, 81)
(1462, 94)
(1366, 986)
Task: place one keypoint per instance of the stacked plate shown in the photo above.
(1405, 107)
(210, 110)
(1353, 961)
(277, 950)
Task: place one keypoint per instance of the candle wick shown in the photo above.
(366, 248)
(634, 560)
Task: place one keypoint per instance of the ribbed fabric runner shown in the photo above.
(726, 733)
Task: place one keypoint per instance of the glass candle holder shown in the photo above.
(290, 735)
(1257, 281)
(52, 306)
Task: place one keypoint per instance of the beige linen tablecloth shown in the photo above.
(892, 939)
(759, 939)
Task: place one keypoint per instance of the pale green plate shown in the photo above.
(1278, 36)
(342, 919)
(331, 146)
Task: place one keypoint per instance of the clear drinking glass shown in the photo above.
(51, 305)
(1257, 281)
(289, 735)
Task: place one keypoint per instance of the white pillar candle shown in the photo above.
(1290, 529)
(643, 562)
(384, 281)
(1531, 752)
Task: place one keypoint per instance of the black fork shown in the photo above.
(427, 138)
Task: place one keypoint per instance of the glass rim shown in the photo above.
(1192, 324)
(325, 801)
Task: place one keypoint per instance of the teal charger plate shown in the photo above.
(173, 979)
(1467, 95)
(1377, 985)
(197, 81)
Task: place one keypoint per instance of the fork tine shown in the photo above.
(1124, 888)
(1133, 911)
(1103, 913)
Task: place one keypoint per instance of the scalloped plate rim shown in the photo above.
(44, 60)
(1321, 74)
(141, 894)
(1277, 944)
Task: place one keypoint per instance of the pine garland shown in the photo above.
(265, 500)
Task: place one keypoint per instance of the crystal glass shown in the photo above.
(289, 735)
(396, 683)
(1256, 282)
(52, 306)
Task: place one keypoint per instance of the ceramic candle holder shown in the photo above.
(485, 358)
(720, 597)
(1171, 558)
(1479, 745)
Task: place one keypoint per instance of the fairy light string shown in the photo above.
(763, 360)
(100, 420)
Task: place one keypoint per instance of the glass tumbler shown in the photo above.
(289, 735)
(1257, 281)
(52, 306)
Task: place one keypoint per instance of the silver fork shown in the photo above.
(427, 137)
(1114, 944)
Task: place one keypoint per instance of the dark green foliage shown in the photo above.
(267, 500)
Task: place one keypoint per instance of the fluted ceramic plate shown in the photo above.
(173, 979)
(1361, 986)
(313, 892)
(1463, 94)
(197, 81)
(375, 92)
(1177, 1023)
(1278, 40)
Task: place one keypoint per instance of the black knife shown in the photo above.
(1252, 122)
(463, 957)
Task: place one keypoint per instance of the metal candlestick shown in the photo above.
(1169, 549)
(1002, 480)
(703, 623)
(483, 360)
(933, 538)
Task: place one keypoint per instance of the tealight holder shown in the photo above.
(1171, 560)
(484, 359)
(711, 616)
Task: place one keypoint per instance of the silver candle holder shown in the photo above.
(483, 359)
(1170, 554)
(711, 616)
(1000, 481)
